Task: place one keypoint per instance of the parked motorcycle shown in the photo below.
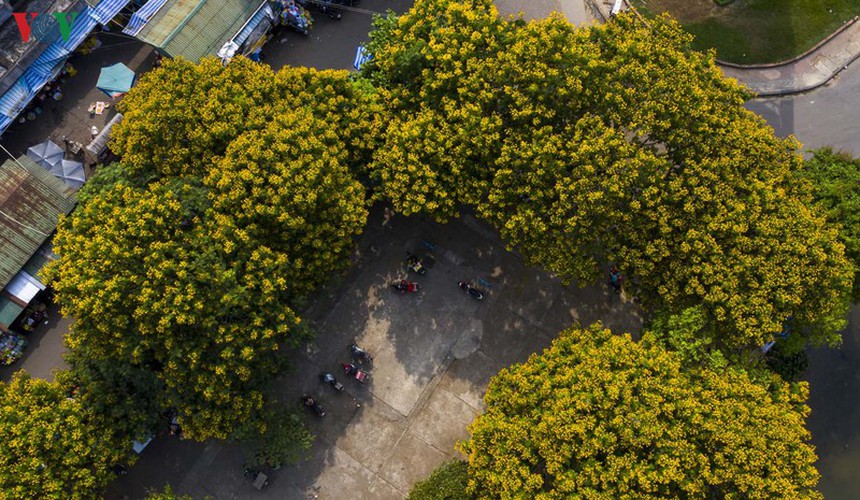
(470, 290)
(329, 379)
(323, 7)
(355, 372)
(312, 403)
(33, 318)
(258, 479)
(360, 355)
(414, 264)
(405, 287)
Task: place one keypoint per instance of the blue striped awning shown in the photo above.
(142, 16)
(361, 57)
(45, 67)
(258, 17)
(60, 50)
(5, 121)
(16, 98)
(107, 10)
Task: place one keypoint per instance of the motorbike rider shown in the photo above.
(414, 262)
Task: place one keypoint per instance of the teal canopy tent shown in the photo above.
(116, 80)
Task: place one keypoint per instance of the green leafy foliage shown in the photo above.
(836, 185)
(791, 366)
(167, 494)
(448, 482)
(48, 447)
(276, 437)
(115, 394)
(600, 416)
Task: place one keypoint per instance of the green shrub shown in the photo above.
(448, 482)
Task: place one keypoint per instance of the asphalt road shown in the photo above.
(332, 43)
(829, 115)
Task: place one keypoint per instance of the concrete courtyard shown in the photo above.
(435, 352)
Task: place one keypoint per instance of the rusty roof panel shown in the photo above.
(31, 201)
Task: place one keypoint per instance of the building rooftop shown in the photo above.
(197, 28)
(15, 55)
(31, 201)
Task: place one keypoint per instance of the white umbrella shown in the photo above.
(72, 173)
(46, 154)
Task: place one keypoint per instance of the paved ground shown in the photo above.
(435, 352)
(576, 11)
(44, 353)
(331, 44)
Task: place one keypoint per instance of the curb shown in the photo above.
(801, 90)
(795, 58)
(596, 8)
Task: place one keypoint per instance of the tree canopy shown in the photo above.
(448, 482)
(609, 144)
(836, 185)
(48, 446)
(186, 266)
(600, 416)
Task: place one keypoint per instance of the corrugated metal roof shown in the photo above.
(197, 28)
(8, 311)
(43, 255)
(31, 200)
(142, 16)
(166, 20)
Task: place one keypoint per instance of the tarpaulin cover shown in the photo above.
(116, 80)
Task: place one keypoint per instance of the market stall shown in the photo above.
(293, 15)
(12, 347)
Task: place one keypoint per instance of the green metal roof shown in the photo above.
(197, 28)
(8, 311)
(31, 200)
(43, 255)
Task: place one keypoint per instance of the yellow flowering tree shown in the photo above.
(48, 447)
(288, 188)
(439, 144)
(608, 144)
(600, 416)
(179, 117)
(155, 283)
(236, 197)
(351, 108)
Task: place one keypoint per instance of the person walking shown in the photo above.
(615, 279)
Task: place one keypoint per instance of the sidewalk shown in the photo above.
(806, 72)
